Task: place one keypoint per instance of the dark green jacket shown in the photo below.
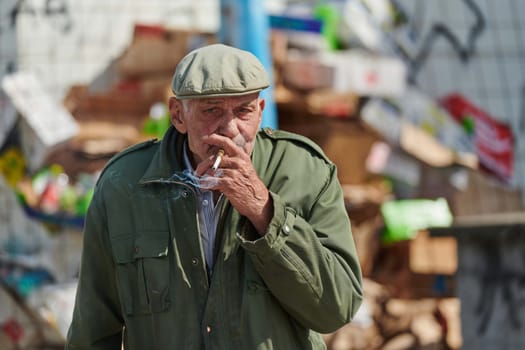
(143, 276)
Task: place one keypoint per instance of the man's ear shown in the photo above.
(262, 104)
(176, 115)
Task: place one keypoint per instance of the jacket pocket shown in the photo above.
(142, 271)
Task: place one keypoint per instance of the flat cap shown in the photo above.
(218, 70)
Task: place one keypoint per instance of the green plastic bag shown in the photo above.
(403, 218)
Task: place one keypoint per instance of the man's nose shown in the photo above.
(228, 127)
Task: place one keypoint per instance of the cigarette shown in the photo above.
(217, 160)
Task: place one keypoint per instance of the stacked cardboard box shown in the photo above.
(121, 96)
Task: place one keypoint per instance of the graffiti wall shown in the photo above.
(490, 280)
(476, 48)
(472, 46)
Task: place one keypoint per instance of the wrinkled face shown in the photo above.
(237, 118)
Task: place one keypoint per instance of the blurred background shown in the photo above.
(420, 104)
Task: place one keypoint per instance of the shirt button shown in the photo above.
(205, 202)
(195, 261)
(208, 329)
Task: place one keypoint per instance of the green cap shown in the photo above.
(218, 70)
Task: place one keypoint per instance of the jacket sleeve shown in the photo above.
(97, 321)
(311, 266)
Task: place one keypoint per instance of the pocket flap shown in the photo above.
(146, 245)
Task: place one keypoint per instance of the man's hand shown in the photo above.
(237, 179)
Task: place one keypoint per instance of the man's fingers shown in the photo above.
(229, 146)
(204, 166)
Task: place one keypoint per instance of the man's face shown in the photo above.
(237, 118)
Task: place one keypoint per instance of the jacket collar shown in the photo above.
(167, 160)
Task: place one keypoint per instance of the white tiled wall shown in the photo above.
(8, 59)
(73, 46)
(7, 35)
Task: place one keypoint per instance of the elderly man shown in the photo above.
(220, 236)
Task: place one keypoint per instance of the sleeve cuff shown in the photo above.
(280, 228)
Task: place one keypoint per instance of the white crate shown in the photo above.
(45, 123)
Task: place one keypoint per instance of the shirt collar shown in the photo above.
(186, 158)
(189, 168)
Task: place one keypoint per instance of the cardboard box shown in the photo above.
(113, 104)
(393, 269)
(306, 72)
(155, 49)
(346, 143)
(354, 71)
(387, 119)
(484, 197)
(437, 255)
(367, 74)
(330, 103)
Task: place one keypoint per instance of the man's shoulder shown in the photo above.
(300, 141)
(132, 155)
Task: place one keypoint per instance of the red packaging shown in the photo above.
(13, 329)
(493, 139)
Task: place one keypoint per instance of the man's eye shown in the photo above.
(244, 111)
(212, 112)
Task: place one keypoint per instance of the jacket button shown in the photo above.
(136, 250)
(195, 261)
(286, 229)
(208, 329)
(185, 193)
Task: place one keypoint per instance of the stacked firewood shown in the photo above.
(389, 323)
